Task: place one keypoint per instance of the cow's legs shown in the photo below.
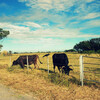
(37, 66)
(22, 65)
(34, 66)
(59, 68)
(54, 68)
(30, 67)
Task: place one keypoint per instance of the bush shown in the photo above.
(4, 53)
(90, 51)
(98, 51)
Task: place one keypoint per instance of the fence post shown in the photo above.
(81, 70)
(48, 64)
(10, 61)
(27, 64)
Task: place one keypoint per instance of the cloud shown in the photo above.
(83, 7)
(58, 5)
(49, 38)
(49, 4)
(91, 16)
(25, 33)
(32, 24)
(93, 23)
(55, 11)
(16, 31)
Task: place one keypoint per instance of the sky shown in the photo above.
(48, 25)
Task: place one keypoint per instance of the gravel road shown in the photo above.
(9, 94)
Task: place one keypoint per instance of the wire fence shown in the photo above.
(89, 69)
(83, 68)
(47, 61)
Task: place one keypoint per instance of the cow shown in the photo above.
(22, 60)
(61, 61)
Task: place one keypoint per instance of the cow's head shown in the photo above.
(66, 70)
(14, 62)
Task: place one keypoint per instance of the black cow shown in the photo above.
(61, 61)
(22, 60)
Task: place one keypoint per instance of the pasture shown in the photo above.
(55, 86)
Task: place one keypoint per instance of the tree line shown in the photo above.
(89, 46)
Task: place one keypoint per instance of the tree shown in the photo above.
(95, 44)
(10, 53)
(4, 53)
(70, 50)
(3, 34)
(90, 45)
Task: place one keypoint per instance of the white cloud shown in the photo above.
(58, 5)
(15, 31)
(25, 34)
(91, 16)
(40, 40)
(93, 23)
(50, 39)
(32, 24)
(50, 4)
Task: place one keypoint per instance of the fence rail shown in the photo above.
(91, 63)
(92, 57)
(92, 81)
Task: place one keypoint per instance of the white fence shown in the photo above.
(82, 71)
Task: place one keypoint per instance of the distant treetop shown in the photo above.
(93, 44)
(3, 33)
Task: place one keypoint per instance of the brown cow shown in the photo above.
(22, 60)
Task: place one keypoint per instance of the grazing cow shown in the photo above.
(22, 60)
(61, 60)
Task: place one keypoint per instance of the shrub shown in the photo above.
(4, 53)
(98, 51)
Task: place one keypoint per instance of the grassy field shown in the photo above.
(56, 86)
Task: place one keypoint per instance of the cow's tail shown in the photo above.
(39, 60)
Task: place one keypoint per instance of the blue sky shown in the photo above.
(48, 25)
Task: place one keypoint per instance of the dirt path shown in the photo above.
(9, 94)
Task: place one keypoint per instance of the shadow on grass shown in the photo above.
(74, 80)
(42, 69)
(92, 84)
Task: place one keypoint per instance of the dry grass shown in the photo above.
(54, 87)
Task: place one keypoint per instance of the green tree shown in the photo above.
(70, 50)
(3, 34)
(90, 45)
(95, 44)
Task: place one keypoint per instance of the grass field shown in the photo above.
(56, 86)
